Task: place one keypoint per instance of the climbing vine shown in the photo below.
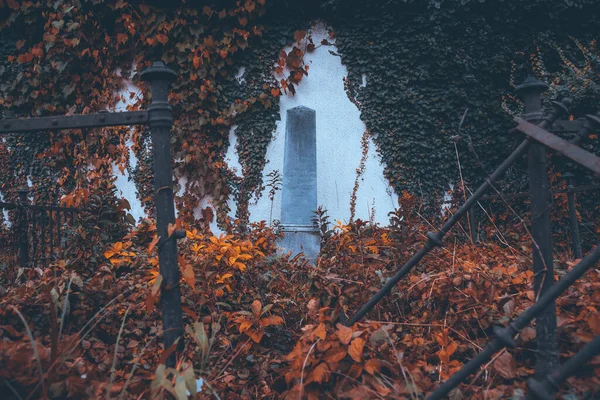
(425, 63)
(62, 62)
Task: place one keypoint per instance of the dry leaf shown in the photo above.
(344, 333)
(356, 349)
(321, 331)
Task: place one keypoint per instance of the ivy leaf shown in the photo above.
(299, 35)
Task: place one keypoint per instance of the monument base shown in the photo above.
(301, 239)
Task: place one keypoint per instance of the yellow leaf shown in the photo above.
(109, 253)
(240, 266)
(356, 349)
(221, 279)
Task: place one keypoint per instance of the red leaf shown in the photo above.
(299, 35)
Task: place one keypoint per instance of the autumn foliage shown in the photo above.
(260, 324)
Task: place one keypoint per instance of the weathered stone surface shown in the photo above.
(299, 185)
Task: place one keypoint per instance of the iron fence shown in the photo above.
(159, 118)
(536, 126)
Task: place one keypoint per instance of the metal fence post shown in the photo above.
(573, 223)
(541, 230)
(160, 122)
(22, 227)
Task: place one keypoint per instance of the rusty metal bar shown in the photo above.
(73, 122)
(575, 153)
(504, 337)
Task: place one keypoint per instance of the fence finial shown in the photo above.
(530, 92)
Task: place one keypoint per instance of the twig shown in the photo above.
(34, 346)
(64, 308)
(304, 366)
(112, 368)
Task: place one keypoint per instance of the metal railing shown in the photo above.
(159, 118)
(536, 127)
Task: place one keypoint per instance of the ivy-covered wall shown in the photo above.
(428, 63)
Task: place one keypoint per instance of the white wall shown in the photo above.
(124, 183)
(339, 132)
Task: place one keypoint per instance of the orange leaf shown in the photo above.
(321, 331)
(153, 296)
(152, 244)
(170, 229)
(255, 335)
(245, 325)
(335, 355)
(24, 58)
(372, 366)
(320, 374)
(188, 275)
(451, 348)
(356, 349)
(256, 307)
(275, 92)
(197, 61)
(271, 320)
(344, 333)
(37, 52)
(594, 323)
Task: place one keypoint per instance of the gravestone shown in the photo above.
(299, 184)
